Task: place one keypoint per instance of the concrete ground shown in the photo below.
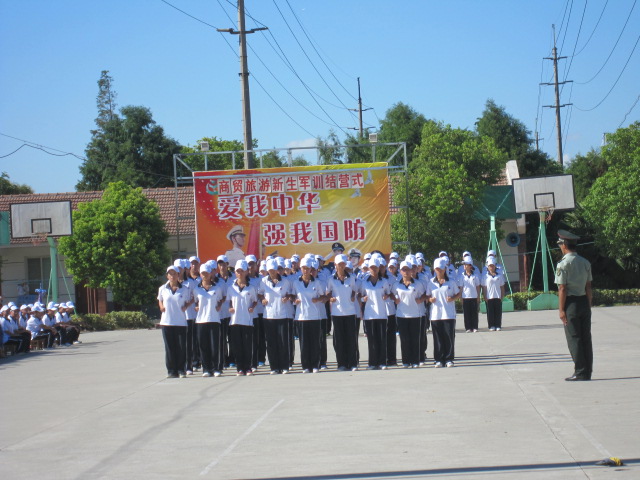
(104, 409)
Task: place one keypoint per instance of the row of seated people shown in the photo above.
(51, 325)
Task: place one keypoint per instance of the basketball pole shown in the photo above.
(546, 300)
(53, 277)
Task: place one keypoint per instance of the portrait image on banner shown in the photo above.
(289, 210)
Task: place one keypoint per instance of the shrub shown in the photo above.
(113, 321)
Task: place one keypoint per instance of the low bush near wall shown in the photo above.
(601, 298)
(114, 321)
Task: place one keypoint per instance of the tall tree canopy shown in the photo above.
(512, 137)
(7, 187)
(128, 147)
(401, 123)
(118, 242)
(447, 176)
(612, 206)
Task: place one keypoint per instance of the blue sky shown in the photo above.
(445, 59)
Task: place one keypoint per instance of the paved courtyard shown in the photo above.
(104, 409)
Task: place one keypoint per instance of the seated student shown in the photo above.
(63, 321)
(25, 313)
(38, 329)
(8, 329)
(19, 332)
(49, 320)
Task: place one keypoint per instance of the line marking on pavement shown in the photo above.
(596, 444)
(231, 447)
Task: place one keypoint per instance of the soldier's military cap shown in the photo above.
(568, 236)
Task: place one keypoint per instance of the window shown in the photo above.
(38, 270)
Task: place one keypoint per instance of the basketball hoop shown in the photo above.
(39, 238)
(548, 211)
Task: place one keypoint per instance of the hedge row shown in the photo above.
(114, 321)
(600, 297)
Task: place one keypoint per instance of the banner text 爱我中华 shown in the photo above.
(288, 210)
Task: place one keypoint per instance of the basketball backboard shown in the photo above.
(43, 218)
(537, 194)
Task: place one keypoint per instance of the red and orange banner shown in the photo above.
(282, 211)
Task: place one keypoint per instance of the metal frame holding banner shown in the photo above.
(288, 210)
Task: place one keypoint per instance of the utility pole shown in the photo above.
(537, 142)
(557, 106)
(359, 110)
(244, 83)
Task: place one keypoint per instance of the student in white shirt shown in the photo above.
(259, 353)
(342, 288)
(409, 295)
(469, 283)
(244, 298)
(173, 298)
(444, 293)
(37, 328)
(493, 291)
(308, 293)
(209, 297)
(392, 324)
(222, 264)
(374, 292)
(276, 302)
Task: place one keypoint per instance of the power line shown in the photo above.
(310, 61)
(594, 28)
(317, 53)
(567, 27)
(615, 83)
(614, 46)
(188, 14)
(9, 154)
(627, 114)
(575, 45)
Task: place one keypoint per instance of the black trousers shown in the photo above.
(494, 313)
(209, 343)
(277, 337)
(410, 339)
(259, 342)
(324, 329)
(424, 326)
(345, 340)
(48, 336)
(578, 333)
(175, 348)
(392, 341)
(292, 340)
(242, 341)
(310, 331)
(444, 340)
(377, 341)
(470, 310)
(193, 350)
(226, 342)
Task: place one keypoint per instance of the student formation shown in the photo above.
(50, 324)
(219, 317)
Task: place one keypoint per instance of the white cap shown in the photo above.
(490, 261)
(491, 253)
(319, 258)
(287, 263)
(222, 258)
(393, 255)
(194, 258)
(24, 307)
(419, 255)
(269, 257)
(280, 262)
(174, 268)
(341, 259)
(70, 305)
(411, 259)
(205, 267)
(242, 265)
(365, 264)
(4, 309)
(295, 258)
(405, 264)
(186, 263)
(52, 306)
(367, 256)
(468, 260)
(37, 308)
(393, 262)
(307, 262)
(13, 307)
(177, 263)
(250, 258)
(263, 265)
(443, 253)
(466, 254)
(271, 265)
(440, 263)
(375, 261)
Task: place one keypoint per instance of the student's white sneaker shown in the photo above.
(354, 369)
(306, 370)
(77, 342)
(383, 367)
(449, 364)
(315, 370)
(405, 365)
(206, 374)
(415, 366)
(284, 372)
(498, 328)
(273, 372)
(438, 365)
(189, 372)
(216, 374)
(183, 375)
(371, 367)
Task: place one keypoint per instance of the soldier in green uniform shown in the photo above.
(573, 276)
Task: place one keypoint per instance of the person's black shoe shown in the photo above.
(574, 378)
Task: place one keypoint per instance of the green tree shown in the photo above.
(401, 123)
(612, 206)
(512, 137)
(586, 169)
(328, 151)
(131, 148)
(446, 178)
(219, 161)
(118, 242)
(7, 187)
(106, 101)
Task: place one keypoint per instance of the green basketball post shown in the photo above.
(53, 277)
(507, 303)
(546, 300)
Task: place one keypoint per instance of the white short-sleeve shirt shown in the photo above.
(343, 291)
(207, 300)
(241, 299)
(469, 285)
(493, 284)
(274, 292)
(442, 309)
(407, 294)
(306, 309)
(173, 302)
(376, 307)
